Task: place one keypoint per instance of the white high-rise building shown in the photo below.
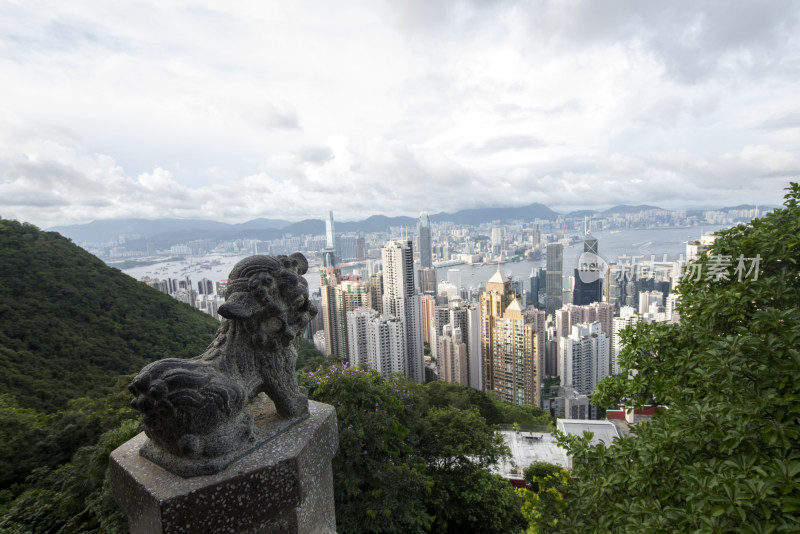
(453, 354)
(401, 301)
(357, 334)
(670, 308)
(330, 233)
(386, 345)
(466, 321)
(627, 317)
(584, 356)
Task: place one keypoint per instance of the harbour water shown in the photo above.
(643, 243)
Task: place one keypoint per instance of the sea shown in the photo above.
(660, 244)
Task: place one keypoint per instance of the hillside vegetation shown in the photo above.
(69, 325)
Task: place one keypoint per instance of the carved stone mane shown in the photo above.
(203, 413)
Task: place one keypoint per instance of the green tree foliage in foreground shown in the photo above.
(545, 503)
(69, 324)
(54, 467)
(415, 457)
(725, 456)
(407, 461)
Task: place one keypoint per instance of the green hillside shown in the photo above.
(69, 324)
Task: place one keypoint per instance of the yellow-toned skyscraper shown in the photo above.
(510, 344)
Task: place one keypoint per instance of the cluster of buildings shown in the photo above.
(207, 297)
(545, 341)
(510, 338)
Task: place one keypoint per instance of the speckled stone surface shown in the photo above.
(285, 485)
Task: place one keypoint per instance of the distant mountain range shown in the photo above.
(164, 232)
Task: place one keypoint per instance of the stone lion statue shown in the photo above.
(198, 413)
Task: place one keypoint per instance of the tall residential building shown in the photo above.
(584, 357)
(493, 302)
(472, 338)
(425, 244)
(453, 355)
(339, 296)
(401, 301)
(375, 292)
(428, 306)
(671, 308)
(554, 285)
(441, 317)
(357, 334)
(466, 319)
(510, 344)
(627, 317)
(516, 370)
(386, 345)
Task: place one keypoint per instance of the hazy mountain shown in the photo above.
(307, 226)
(581, 213)
(376, 223)
(485, 215)
(111, 229)
(262, 224)
(105, 230)
(162, 233)
(625, 208)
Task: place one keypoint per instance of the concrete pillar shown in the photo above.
(283, 486)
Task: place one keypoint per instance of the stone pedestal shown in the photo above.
(285, 485)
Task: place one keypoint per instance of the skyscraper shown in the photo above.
(330, 233)
(515, 356)
(588, 276)
(329, 252)
(401, 301)
(494, 300)
(537, 286)
(425, 248)
(427, 274)
(555, 260)
(510, 345)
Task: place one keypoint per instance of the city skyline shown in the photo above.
(288, 111)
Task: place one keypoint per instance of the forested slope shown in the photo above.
(69, 324)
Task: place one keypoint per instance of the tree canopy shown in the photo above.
(725, 456)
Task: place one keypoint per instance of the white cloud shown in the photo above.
(237, 110)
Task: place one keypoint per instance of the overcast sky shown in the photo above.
(236, 110)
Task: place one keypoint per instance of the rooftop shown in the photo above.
(604, 431)
(529, 447)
